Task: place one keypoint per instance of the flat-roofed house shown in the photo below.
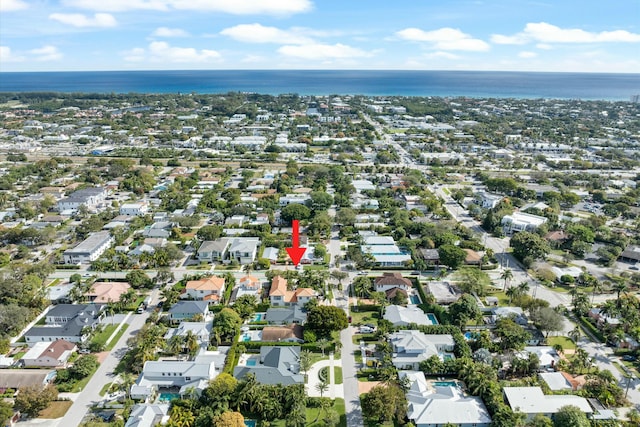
(90, 249)
(532, 401)
(520, 221)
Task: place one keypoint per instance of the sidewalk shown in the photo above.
(313, 379)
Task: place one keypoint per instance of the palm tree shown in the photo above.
(322, 387)
(512, 293)
(323, 343)
(523, 288)
(619, 288)
(191, 342)
(248, 268)
(575, 334)
(506, 275)
(175, 344)
(305, 361)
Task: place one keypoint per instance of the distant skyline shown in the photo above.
(495, 35)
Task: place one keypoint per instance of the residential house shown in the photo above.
(488, 200)
(559, 381)
(271, 254)
(285, 315)
(520, 221)
(186, 375)
(548, 357)
(443, 292)
(17, 378)
(389, 281)
(213, 250)
(134, 209)
(49, 354)
(241, 249)
(280, 296)
(105, 292)
(90, 197)
(532, 401)
(206, 289)
(472, 257)
(70, 322)
(630, 254)
(160, 229)
(384, 251)
(290, 333)
(201, 330)
(275, 365)
(434, 405)
(411, 347)
(404, 316)
(146, 415)
(185, 310)
(514, 312)
(90, 249)
(431, 257)
(247, 285)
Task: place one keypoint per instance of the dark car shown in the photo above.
(629, 358)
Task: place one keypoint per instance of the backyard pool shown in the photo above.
(250, 423)
(251, 362)
(168, 397)
(415, 299)
(445, 384)
(470, 336)
(432, 317)
(259, 317)
(246, 337)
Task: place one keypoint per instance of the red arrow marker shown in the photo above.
(296, 253)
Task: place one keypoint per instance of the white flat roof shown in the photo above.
(531, 400)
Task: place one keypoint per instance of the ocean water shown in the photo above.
(477, 84)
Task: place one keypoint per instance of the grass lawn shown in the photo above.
(56, 409)
(338, 374)
(338, 406)
(115, 339)
(565, 342)
(19, 355)
(80, 385)
(104, 389)
(102, 336)
(362, 317)
(503, 299)
(316, 357)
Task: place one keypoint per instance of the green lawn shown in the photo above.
(312, 414)
(102, 337)
(104, 389)
(115, 339)
(362, 317)
(338, 374)
(19, 355)
(565, 342)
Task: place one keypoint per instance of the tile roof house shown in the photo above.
(411, 347)
(105, 292)
(433, 406)
(50, 354)
(392, 280)
(276, 365)
(280, 296)
(247, 285)
(205, 289)
(290, 333)
(532, 401)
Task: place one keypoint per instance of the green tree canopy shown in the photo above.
(570, 416)
(325, 319)
(295, 211)
(451, 255)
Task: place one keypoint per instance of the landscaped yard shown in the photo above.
(56, 409)
(362, 317)
(313, 415)
(565, 342)
(115, 339)
(102, 336)
(337, 370)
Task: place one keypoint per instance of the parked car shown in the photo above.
(629, 358)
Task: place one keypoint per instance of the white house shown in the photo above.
(434, 406)
(134, 209)
(532, 401)
(90, 249)
(90, 197)
(411, 347)
(488, 200)
(403, 316)
(520, 221)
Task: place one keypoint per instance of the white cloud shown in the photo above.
(169, 32)
(544, 46)
(235, 7)
(257, 33)
(252, 59)
(7, 56)
(11, 5)
(527, 54)
(322, 51)
(548, 33)
(441, 55)
(444, 39)
(100, 20)
(164, 52)
(46, 53)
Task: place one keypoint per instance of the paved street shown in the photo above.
(90, 396)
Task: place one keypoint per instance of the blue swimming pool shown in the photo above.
(168, 397)
(246, 337)
(415, 299)
(470, 336)
(259, 317)
(445, 384)
(250, 423)
(432, 317)
(251, 362)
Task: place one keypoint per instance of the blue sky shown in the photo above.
(548, 35)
